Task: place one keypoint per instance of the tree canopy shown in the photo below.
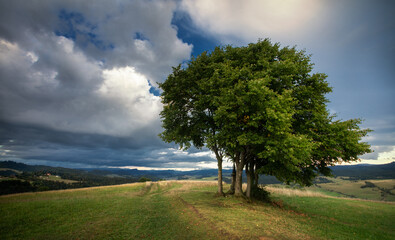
(261, 107)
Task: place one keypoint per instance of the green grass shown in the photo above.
(188, 210)
(123, 212)
(345, 219)
(57, 179)
(353, 189)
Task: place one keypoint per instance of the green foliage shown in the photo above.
(15, 186)
(144, 179)
(261, 194)
(261, 103)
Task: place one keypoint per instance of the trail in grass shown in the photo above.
(240, 219)
(298, 215)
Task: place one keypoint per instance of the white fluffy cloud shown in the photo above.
(127, 96)
(85, 66)
(76, 96)
(126, 33)
(252, 19)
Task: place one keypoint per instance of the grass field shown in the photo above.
(380, 190)
(57, 179)
(189, 210)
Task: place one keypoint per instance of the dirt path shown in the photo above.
(203, 220)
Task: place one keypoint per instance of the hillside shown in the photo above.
(361, 172)
(350, 181)
(189, 210)
(19, 177)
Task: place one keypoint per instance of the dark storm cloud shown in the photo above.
(104, 30)
(26, 135)
(37, 145)
(78, 79)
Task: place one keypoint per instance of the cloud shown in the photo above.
(74, 67)
(77, 79)
(382, 139)
(73, 94)
(137, 33)
(251, 19)
(93, 153)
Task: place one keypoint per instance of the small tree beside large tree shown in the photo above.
(262, 108)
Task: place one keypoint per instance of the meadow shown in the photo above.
(190, 210)
(372, 189)
(381, 190)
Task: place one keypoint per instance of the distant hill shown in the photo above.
(365, 171)
(20, 177)
(33, 168)
(362, 171)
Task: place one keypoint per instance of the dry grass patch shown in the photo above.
(186, 185)
(294, 192)
(378, 190)
(386, 184)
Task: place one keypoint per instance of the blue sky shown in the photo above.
(78, 78)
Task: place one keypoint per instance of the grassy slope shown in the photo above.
(188, 210)
(57, 179)
(355, 188)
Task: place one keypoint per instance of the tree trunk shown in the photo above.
(256, 178)
(239, 172)
(219, 160)
(220, 187)
(249, 174)
(252, 178)
(232, 185)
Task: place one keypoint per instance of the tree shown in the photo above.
(260, 107)
(189, 106)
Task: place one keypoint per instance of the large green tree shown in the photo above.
(189, 106)
(261, 107)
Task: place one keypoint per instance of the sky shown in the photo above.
(78, 79)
